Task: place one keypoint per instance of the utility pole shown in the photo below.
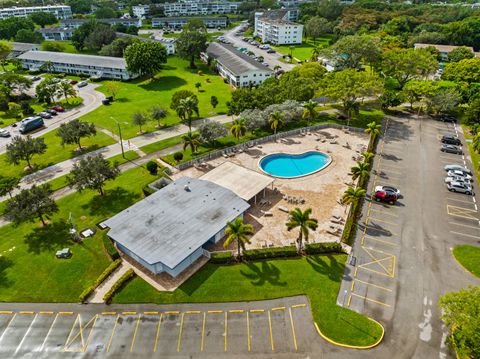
(119, 135)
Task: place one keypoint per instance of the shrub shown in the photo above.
(110, 248)
(88, 291)
(53, 46)
(221, 257)
(147, 191)
(178, 156)
(200, 73)
(281, 252)
(118, 285)
(327, 247)
(152, 167)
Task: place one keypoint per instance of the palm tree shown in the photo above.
(353, 196)
(360, 171)
(66, 90)
(373, 129)
(239, 232)
(185, 109)
(476, 143)
(191, 140)
(309, 112)
(275, 120)
(47, 66)
(367, 156)
(158, 113)
(303, 221)
(315, 54)
(239, 128)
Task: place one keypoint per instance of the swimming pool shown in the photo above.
(286, 165)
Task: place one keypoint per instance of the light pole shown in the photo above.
(120, 135)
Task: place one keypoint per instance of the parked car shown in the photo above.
(51, 112)
(459, 174)
(105, 102)
(446, 118)
(451, 140)
(58, 108)
(451, 149)
(270, 51)
(460, 179)
(4, 133)
(389, 189)
(36, 78)
(45, 115)
(460, 188)
(72, 82)
(82, 84)
(63, 253)
(457, 168)
(30, 123)
(385, 196)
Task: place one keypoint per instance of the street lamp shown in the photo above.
(120, 135)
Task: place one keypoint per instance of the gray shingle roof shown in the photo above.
(75, 59)
(237, 62)
(172, 223)
(23, 46)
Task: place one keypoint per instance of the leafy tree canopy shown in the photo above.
(43, 18)
(145, 58)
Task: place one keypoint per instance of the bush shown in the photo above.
(53, 46)
(327, 247)
(221, 257)
(281, 252)
(110, 248)
(152, 167)
(118, 285)
(147, 191)
(178, 156)
(88, 291)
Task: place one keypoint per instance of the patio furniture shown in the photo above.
(283, 209)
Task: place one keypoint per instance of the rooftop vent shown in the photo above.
(187, 188)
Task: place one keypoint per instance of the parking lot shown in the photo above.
(229, 329)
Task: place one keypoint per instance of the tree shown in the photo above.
(92, 172)
(198, 85)
(29, 36)
(66, 90)
(472, 112)
(361, 171)
(105, 12)
(374, 130)
(47, 89)
(191, 44)
(445, 101)
(415, 90)
(53, 46)
(73, 131)
(351, 51)
(10, 26)
(145, 58)
(92, 34)
(353, 196)
(275, 120)
(15, 83)
(43, 18)
(158, 113)
(460, 53)
(191, 140)
(367, 156)
(460, 313)
(24, 148)
(214, 101)
(467, 70)
(476, 143)
(309, 111)
(301, 220)
(239, 232)
(32, 203)
(47, 66)
(239, 128)
(316, 26)
(177, 96)
(113, 87)
(8, 185)
(186, 108)
(14, 109)
(117, 47)
(139, 119)
(211, 130)
(5, 51)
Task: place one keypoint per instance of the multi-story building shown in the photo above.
(94, 66)
(275, 28)
(443, 49)
(22, 47)
(60, 11)
(56, 33)
(189, 8)
(237, 68)
(76, 23)
(169, 43)
(141, 11)
(178, 22)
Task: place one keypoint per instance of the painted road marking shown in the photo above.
(461, 212)
(225, 333)
(466, 235)
(135, 333)
(109, 313)
(370, 300)
(383, 221)
(248, 331)
(158, 332)
(9, 322)
(387, 257)
(45, 312)
(370, 284)
(278, 308)
(91, 330)
(236, 311)
(464, 225)
(26, 312)
(68, 342)
(293, 329)
(6, 312)
(150, 313)
(203, 331)
(377, 240)
(215, 311)
(129, 313)
(384, 212)
(381, 230)
(460, 200)
(172, 312)
(65, 313)
(26, 333)
(180, 332)
(113, 332)
(271, 333)
(48, 333)
(192, 312)
(257, 310)
(299, 305)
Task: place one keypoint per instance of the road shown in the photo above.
(403, 260)
(272, 59)
(91, 100)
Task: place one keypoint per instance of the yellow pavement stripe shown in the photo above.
(173, 312)
(67, 343)
(352, 286)
(248, 332)
(158, 332)
(236, 311)
(215, 311)
(203, 331)
(65, 313)
(383, 221)
(135, 333)
(6, 312)
(464, 234)
(129, 313)
(109, 313)
(45, 312)
(113, 332)
(150, 313)
(356, 270)
(90, 333)
(26, 312)
(278, 308)
(299, 305)
(378, 240)
(370, 300)
(293, 329)
(382, 230)
(271, 333)
(257, 310)
(377, 260)
(349, 300)
(180, 333)
(225, 333)
(192, 312)
(373, 285)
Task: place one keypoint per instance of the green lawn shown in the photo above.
(129, 156)
(469, 257)
(304, 51)
(318, 277)
(55, 153)
(142, 94)
(162, 144)
(29, 270)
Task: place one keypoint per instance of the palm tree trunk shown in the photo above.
(299, 241)
(238, 248)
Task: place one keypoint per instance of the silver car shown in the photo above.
(457, 168)
(457, 173)
(460, 188)
(460, 179)
(4, 133)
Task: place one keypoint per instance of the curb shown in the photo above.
(352, 346)
(460, 264)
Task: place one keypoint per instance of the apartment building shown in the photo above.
(169, 43)
(56, 33)
(76, 23)
(189, 8)
(60, 11)
(141, 11)
(274, 27)
(178, 22)
(22, 47)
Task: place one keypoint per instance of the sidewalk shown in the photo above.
(102, 289)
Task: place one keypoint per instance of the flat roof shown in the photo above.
(441, 48)
(173, 222)
(237, 62)
(167, 19)
(75, 59)
(245, 182)
(23, 46)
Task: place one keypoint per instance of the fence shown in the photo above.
(245, 145)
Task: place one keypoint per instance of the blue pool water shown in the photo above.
(290, 166)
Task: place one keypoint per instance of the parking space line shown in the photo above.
(248, 331)
(466, 235)
(158, 332)
(203, 331)
(129, 313)
(236, 311)
(68, 342)
(173, 312)
(271, 333)
(382, 230)
(91, 330)
(278, 308)
(382, 221)
(383, 212)
(464, 225)
(370, 300)
(6, 312)
(45, 312)
(293, 329)
(150, 313)
(377, 240)
(23, 312)
(373, 285)
(65, 313)
(192, 312)
(26, 333)
(48, 333)
(299, 305)
(257, 310)
(215, 311)
(225, 332)
(461, 212)
(135, 333)
(5, 330)
(180, 332)
(459, 200)
(113, 332)
(109, 313)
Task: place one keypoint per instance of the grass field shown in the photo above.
(29, 270)
(475, 156)
(142, 94)
(55, 153)
(304, 51)
(318, 277)
(469, 257)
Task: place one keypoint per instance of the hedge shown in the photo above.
(264, 253)
(110, 248)
(87, 291)
(221, 257)
(147, 191)
(118, 285)
(326, 247)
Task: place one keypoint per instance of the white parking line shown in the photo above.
(26, 334)
(459, 200)
(464, 234)
(463, 225)
(48, 333)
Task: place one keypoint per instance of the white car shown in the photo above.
(457, 168)
(458, 173)
(458, 179)
(4, 133)
(389, 189)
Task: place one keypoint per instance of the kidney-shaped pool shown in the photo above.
(286, 165)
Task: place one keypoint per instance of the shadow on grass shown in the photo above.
(193, 283)
(114, 201)
(4, 264)
(263, 272)
(319, 264)
(55, 236)
(164, 84)
(122, 100)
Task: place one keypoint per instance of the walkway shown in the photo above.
(102, 289)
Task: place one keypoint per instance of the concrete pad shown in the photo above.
(191, 337)
(168, 337)
(58, 332)
(214, 337)
(146, 333)
(237, 332)
(260, 332)
(123, 336)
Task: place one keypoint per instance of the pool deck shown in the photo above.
(321, 190)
